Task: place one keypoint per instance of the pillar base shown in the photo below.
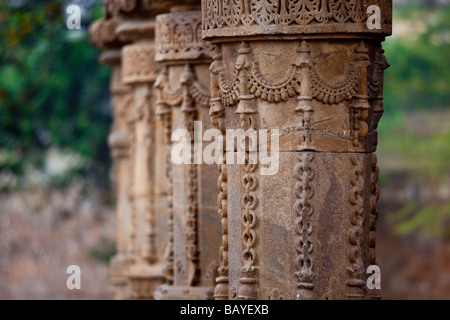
(169, 292)
(120, 287)
(144, 279)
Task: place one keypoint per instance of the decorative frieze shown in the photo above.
(266, 18)
(180, 37)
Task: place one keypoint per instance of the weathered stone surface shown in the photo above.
(147, 186)
(103, 36)
(183, 97)
(314, 71)
(266, 19)
(332, 196)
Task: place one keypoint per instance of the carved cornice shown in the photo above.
(179, 37)
(244, 18)
(102, 34)
(143, 8)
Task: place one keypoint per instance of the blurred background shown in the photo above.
(56, 199)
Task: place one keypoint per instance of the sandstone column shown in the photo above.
(183, 97)
(148, 185)
(103, 36)
(313, 70)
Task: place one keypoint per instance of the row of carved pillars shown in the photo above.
(235, 231)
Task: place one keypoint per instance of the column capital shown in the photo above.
(179, 38)
(267, 18)
(138, 63)
(103, 36)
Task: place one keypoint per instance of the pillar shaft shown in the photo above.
(147, 185)
(310, 73)
(104, 37)
(183, 97)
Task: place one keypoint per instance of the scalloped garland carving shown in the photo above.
(189, 91)
(289, 87)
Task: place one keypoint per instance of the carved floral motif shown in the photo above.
(178, 37)
(232, 14)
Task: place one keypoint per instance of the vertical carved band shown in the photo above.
(360, 106)
(192, 253)
(169, 264)
(304, 209)
(221, 291)
(356, 270)
(374, 196)
(249, 202)
(304, 63)
(149, 246)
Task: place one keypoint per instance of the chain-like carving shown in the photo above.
(169, 259)
(191, 245)
(221, 291)
(374, 196)
(356, 270)
(304, 209)
(248, 289)
(149, 244)
(221, 14)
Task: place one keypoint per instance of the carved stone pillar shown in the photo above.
(183, 97)
(103, 36)
(313, 71)
(148, 186)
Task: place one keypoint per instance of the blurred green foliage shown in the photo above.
(411, 137)
(53, 91)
